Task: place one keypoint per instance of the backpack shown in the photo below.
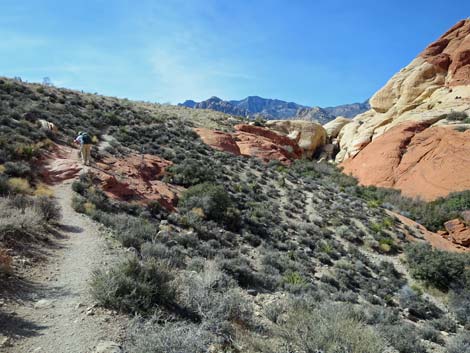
(86, 139)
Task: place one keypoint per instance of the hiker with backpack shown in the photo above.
(85, 142)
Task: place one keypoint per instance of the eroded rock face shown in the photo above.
(423, 161)
(136, 178)
(451, 53)
(458, 232)
(334, 127)
(310, 136)
(255, 141)
(131, 178)
(436, 83)
(219, 140)
(266, 144)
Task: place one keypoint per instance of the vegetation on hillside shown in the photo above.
(258, 257)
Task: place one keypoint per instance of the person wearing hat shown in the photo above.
(85, 146)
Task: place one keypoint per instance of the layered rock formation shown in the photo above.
(136, 178)
(266, 144)
(219, 140)
(457, 232)
(309, 136)
(432, 85)
(408, 139)
(131, 178)
(282, 140)
(333, 127)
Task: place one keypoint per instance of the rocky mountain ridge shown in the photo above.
(270, 109)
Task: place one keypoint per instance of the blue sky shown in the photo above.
(311, 52)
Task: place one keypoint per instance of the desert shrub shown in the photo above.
(402, 337)
(192, 172)
(459, 344)
(15, 224)
(43, 190)
(240, 269)
(133, 286)
(48, 208)
(417, 305)
(5, 188)
(429, 333)
(435, 267)
(214, 202)
(445, 323)
(215, 299)
(170, 337)
(455, 116)
(329, 328)
(174, 257)
(459, 300)
(19, 185)
(18, 169)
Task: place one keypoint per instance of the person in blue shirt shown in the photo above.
(85, 146)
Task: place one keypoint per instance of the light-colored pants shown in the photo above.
(85, 153)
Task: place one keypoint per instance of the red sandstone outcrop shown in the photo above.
(130, 178)
(423, 161)
(136, 178)
(457, 232)
(416, 232)
(218, 140)
(451, 53)
(255, 141)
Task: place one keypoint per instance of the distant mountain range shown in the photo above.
(271, 109)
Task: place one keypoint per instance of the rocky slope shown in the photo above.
(252, 254)
(270, 109)
(434, 89)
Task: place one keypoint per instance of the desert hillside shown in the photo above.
(193, 231)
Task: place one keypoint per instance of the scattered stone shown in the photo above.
(44, 304)
(108, 347)
(90, 311)
(252, 292)
(4, 341)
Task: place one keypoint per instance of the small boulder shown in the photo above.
(459, 233)
(44, 304)
(108, 347)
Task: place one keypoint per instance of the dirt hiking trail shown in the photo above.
(57, 314)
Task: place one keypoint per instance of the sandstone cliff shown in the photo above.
(411, 137)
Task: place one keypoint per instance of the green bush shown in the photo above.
(18, 169)
(435, 267)
(214, 202)
(192, 172)
(455, 116)
(133, 286)
(402, 337)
